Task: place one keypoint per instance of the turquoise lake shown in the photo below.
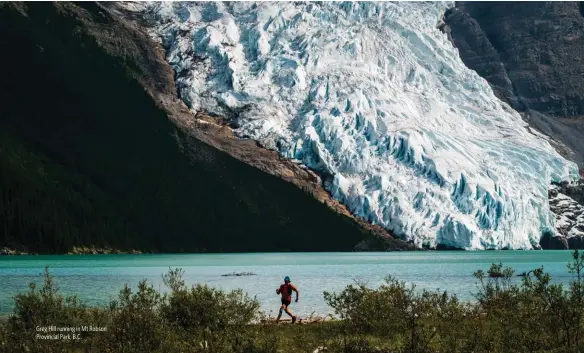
(97, 278)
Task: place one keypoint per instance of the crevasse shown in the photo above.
(374, 96)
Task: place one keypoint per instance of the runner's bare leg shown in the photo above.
(282, 308)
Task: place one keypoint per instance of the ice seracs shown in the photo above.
(375, 98)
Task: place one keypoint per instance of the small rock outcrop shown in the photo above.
(11, 251)
(238, 274)
(566, 203)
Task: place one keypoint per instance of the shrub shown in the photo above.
(398, 313)
(204, 308)
(42, 308)
(535, 315)
(136, 325)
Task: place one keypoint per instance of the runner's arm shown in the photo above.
(296, 290)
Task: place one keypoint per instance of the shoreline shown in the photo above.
(102, 251)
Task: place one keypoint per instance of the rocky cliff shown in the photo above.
(96, 150)
(532, 55)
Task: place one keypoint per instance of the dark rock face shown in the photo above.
(550, 242)
(574, 190)
(532, 54)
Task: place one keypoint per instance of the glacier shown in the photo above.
(374, 98)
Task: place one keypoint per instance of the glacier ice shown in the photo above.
(375, 97)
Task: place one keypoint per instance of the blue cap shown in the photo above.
(286, 279)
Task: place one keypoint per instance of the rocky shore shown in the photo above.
(11, 251)
(83, 250)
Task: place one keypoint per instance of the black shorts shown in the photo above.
(286, 301)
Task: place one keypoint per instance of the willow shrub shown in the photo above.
(399, 314)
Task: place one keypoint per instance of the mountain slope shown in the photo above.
(532, 55)
(91, 154)
(374, 98)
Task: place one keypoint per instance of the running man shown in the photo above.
(286, 291)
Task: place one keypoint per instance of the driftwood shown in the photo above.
(311, 319)
(496, 274)
(237, 274)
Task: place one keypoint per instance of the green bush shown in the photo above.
(205, 308)
(44, 307)
(136, 325)
(218, 320)
(410, 319)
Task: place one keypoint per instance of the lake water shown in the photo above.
(97, 278)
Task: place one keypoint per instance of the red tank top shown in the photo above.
(286, 291)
